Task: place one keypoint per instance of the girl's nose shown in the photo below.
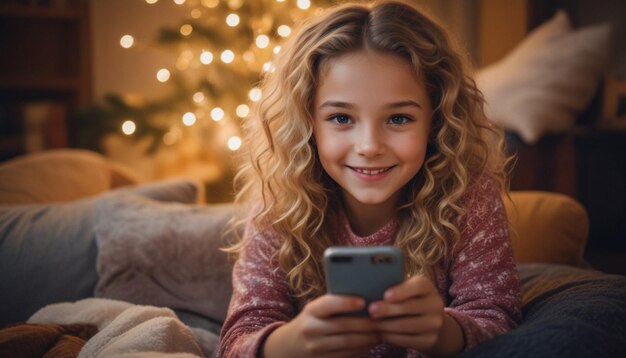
(370, 142)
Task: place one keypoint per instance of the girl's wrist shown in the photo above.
(451, 340)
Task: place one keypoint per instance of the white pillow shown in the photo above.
(547, 80)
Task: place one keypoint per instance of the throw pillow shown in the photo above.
(547, 80)
(547, 227)
(164, 254)
(48, 251)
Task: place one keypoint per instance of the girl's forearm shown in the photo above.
(451, 340)
(276, 344)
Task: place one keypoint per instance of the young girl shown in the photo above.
(371, 132)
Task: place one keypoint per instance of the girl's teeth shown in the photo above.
(370, 172)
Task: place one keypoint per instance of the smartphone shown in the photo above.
(366, 272)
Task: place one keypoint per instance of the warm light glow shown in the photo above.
(268, 66)
(151, 1)
(196, 13)
(189, 119)
(210, 3)
(232, 20)
(198, 97)
(186, 30)
(242, 110)
(248, 56)
(172, 136)
(128, 127)
(304, 4)
(284, 30)
(163, 75)
(206, 57)
(280, 0)
(227, 56)
(127, 41)
(184, 60)
(276, 49)
(255, 94)
(262, 41)
(179, 2)
(235, 4)
(217, 114)
(234, 143)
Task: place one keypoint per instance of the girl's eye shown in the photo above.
(399, 119)
(340, 119)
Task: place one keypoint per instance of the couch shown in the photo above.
(96, 262)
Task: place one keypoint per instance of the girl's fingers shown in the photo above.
(329, 305)
(418, 285)
(410, 325)
(383, 309)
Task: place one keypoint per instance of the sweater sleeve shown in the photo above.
(484, 289)
(260, 302)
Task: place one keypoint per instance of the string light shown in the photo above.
(234, 143)
(196, 13)
(276, 49)
(198, 97)
(210, 3)
(227, 56)
(152, 1)
(179, 2)
(128, 127)
(189, 119)
(232, 20)
(172, 136)
(303, 4)
(127, 41)
(284, 30)
(206, 57)
(262, 41)
(217, 114)
(163, 75)
(186, 30)
(242, 110)
(268, 66)
(255, 94)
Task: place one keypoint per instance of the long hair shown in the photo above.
(282, 182)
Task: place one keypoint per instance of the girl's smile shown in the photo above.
(371, 173)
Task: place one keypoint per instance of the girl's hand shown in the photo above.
(412, 316)
(316, 332)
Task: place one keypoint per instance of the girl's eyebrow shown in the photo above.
(340, 104)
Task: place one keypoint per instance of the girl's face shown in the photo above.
(372, 118)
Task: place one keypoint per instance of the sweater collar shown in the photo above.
(384, 236)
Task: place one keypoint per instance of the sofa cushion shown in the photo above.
(48, 251)
(164, 254)
(547, 227)
(59, 176)
(568, 312)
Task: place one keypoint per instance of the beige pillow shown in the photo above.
(547, 227)
(547, 80)
(59, 176)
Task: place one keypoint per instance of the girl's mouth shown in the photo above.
(372, 171)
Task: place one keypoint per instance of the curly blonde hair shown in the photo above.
(283, 182)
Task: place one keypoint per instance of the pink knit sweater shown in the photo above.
(478, 283)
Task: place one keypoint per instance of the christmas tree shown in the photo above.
(223, 49)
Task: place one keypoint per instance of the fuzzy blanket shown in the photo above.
(124, 329)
